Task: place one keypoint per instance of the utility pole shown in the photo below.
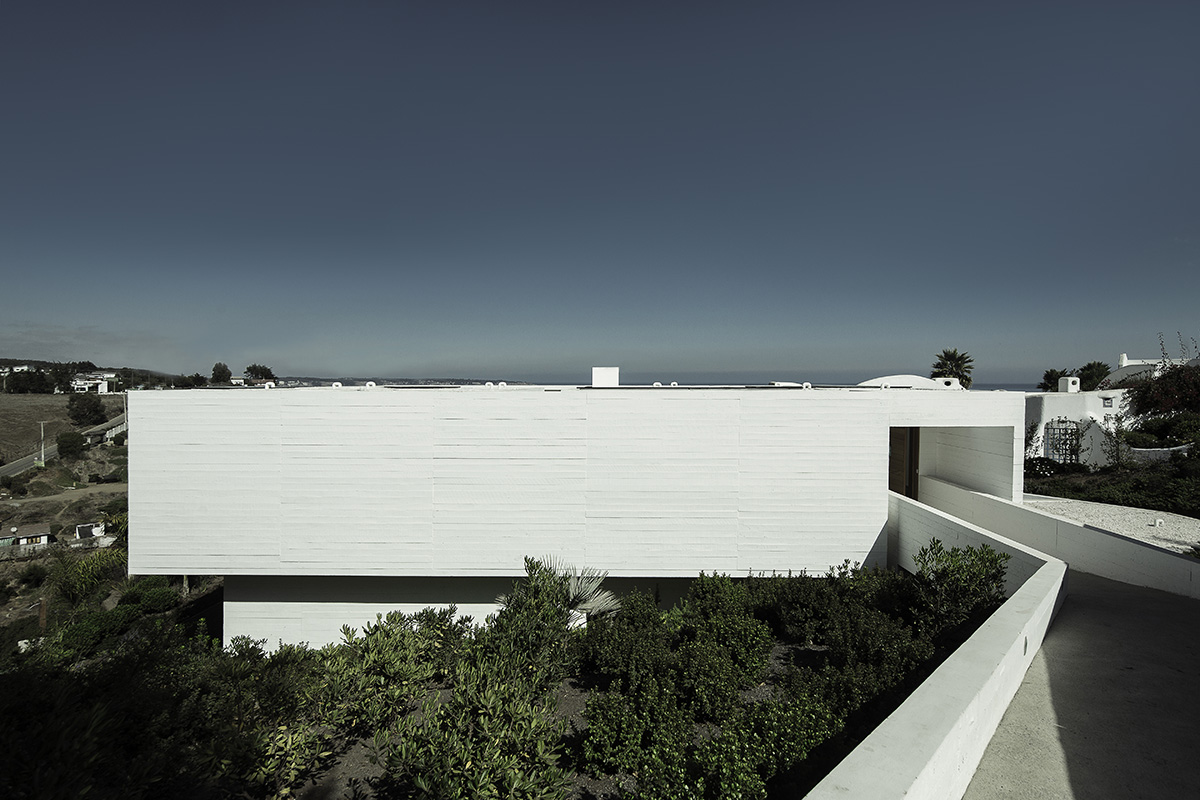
(42, 462)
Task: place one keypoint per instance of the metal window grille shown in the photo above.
(1064, 438)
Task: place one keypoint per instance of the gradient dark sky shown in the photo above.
(742, 191)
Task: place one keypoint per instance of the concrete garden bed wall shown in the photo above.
(931, 745)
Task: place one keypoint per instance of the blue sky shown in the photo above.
(692, 191)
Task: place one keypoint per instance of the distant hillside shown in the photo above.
(348, 381)
(21, 413)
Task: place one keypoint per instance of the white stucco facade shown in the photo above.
(325, 506)
(1092, 411)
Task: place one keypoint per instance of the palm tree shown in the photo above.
(1092, 374)
(952, 364)
(1050, 379)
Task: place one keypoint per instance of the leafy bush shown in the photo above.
(84, 636)
(461, 712)
(17, 484)
(33, 574)
(1141, 439)
(960, 582)
(632, 644)
(640, 730)
(158, 600)
(86, 409)
(374, 679)
(134, 588)
(760, 742)
(70, 444)
(1175, 389)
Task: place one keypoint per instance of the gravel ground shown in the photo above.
(1177, 533)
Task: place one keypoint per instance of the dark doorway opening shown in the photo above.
(904, 453)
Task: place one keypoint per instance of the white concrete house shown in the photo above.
(324, 506)
(1143, 367)
(1070, 425)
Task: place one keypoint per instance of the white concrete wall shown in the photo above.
(464, 483)
(987, 459)
(1085, 548)
(468, 481)
(312, 610)
(928, 748)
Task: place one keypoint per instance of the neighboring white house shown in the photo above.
(83, 384)
(1069, 426)
(325, 506)
(1148, 367)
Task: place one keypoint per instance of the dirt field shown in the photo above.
(20, 414)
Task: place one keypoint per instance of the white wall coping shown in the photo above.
(1086, 548)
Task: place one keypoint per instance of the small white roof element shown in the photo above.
(607, 377)
(912, 382)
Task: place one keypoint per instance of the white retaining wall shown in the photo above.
(928, 748)
(1084, 547)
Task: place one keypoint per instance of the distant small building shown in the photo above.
(82, 384)
(33, 536)
(89, 530)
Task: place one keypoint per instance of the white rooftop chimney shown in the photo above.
(607, 377)
(1068, 384)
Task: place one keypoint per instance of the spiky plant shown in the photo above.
(585, 597)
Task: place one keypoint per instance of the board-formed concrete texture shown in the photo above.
(317, 488)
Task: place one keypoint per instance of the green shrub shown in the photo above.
(78, 578)
(1141, 439)
(715, 613)
(495, 737)
(159, 599)
(709, 680)
(33, 574)
(375, 678)
(71, 445)
(1176, 388)
(84, 636)
(135, 587)
(531, 630)
(643, 732)
(792, 606)
(960, 582)
(760, 742)
(17, 484)
(632, 644)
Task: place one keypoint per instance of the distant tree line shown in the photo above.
(43, 377)
(52, 377)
